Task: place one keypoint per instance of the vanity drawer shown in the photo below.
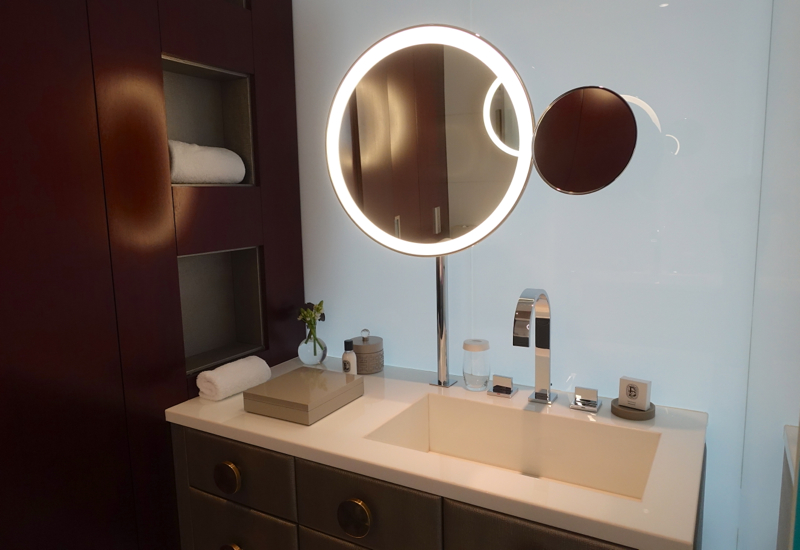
(218, 523)
(314, 540)
(378, 515)
(471, 528)
(251, 476)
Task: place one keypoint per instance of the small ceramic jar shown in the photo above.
(369, 353)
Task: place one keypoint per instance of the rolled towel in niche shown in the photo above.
(197, 164)
(233, 378)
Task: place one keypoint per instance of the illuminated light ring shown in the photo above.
(678, 143)
(508, 77)
(647, 109)
(652, 114)
(487, 121)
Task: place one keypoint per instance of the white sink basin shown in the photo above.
(598, 456)
(636, 484)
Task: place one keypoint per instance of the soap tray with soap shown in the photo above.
(304, 395)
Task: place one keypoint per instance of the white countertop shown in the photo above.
(663, 519)
(790, 434)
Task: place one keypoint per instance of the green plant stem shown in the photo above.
(312, 335)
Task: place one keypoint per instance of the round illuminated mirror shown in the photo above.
(584, 140)
(429, 140)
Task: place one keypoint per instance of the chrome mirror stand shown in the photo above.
(442, 374)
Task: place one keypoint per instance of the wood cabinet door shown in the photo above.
(126, 58)
(65, 457)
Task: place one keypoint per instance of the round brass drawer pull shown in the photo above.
(230, 547)
(228, 478)
(354, 518)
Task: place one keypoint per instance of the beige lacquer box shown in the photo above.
(304, 395)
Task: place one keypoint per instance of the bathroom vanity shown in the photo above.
(410, 465)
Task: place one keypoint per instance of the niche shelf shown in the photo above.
(221, 307)
(210, 107)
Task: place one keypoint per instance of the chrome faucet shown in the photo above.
(534, 305)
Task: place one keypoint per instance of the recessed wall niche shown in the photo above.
(210, 107)
(220, 306)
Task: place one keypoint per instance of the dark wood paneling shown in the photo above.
(431, 140)
(133, 137)
(407, 172)
(276, 142)
(208, 219)
(372, 109)
(401, 93)
(211, 32)
(62, 419)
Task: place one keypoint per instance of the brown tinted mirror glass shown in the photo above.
(584, 140)
(421, 158)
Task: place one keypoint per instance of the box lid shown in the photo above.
(368, 344)
(304, 388)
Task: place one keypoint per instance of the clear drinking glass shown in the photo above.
(477, 368)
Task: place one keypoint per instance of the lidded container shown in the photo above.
(477, 367)
(369, 353)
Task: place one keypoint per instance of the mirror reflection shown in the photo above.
(428, 143)
(500, 119)
(584, 140)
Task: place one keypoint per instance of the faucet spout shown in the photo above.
(533, 307)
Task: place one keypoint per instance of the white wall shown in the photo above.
(651, 277)
(774, 380)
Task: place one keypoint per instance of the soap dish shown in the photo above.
(632, 414)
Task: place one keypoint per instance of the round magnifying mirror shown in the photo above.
(584, 140)
(429, 140)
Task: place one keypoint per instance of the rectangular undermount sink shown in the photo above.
(608, 458)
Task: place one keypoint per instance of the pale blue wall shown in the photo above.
(775, 355)
(652, 277)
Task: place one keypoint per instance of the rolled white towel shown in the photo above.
(233, 378)
(190, 163)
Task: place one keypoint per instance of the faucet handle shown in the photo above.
(586, 399)
(502, 386)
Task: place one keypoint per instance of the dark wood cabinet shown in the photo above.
(93, 347)
(126, 55)
(64, 429)
(275, 132)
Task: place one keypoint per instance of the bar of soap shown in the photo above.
(634, 393)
